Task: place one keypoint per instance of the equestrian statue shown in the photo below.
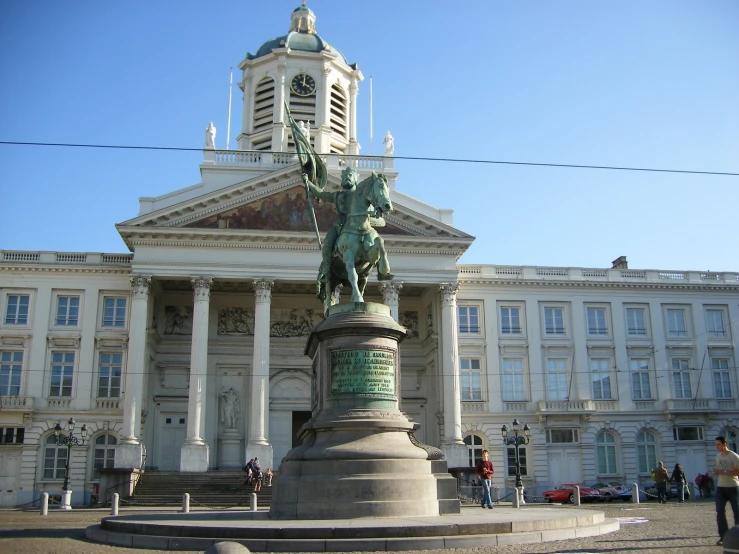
(352, 247)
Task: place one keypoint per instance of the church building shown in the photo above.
(187, 353)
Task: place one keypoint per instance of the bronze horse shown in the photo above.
(359, 248)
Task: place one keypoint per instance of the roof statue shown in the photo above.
(352, 247)
(210, 136)
(389, 142)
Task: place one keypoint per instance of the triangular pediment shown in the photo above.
(274, 204)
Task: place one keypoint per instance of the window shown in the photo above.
(510, 320)
(67, 310)
(636, 322)
(681, 377)
(513, 379)
(605, 446)
(560, 436)
(597, 325)
(687, 433)
(557, 379)
(16, 311)
(62, 370)
(601, 373)
(554, 321)
(640, 385)
(10, 373)
(470, 379)
(12, 435)
(721, 379)
(114, 312)
(511, 455)
(55, 459)
(474, 449)
(715, 323)
(676, 323)
(646, 451)
(104, 454)
(109, 379)
(468, 319)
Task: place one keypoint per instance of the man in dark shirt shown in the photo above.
(484, 469)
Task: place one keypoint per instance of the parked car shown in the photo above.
(610, 490)
(566, 493)
(651, 489)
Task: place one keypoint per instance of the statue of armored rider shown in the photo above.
(342, 200)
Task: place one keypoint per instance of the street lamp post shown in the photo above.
(516, 440)
(69, 441)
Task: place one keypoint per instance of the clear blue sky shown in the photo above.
(629, 83)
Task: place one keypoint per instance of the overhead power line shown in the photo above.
(412, 158)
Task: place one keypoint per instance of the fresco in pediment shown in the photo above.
(285, 211)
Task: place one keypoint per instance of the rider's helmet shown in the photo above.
(349, 178)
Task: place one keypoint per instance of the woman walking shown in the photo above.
(678, 476)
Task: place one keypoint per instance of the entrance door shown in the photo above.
(10, 464)
(693, 460)
(299, 419)
(564, 466)
(172, 433)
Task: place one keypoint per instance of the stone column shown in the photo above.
(258, 445)
(353, 93)
(129, 452)
(195, 451)
(279, 125)
(390, 293)
(454, 448)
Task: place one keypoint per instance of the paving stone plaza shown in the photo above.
(645, 528)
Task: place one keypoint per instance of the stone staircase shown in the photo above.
(214, 488)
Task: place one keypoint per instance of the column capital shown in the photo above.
(201, 287)
(390, 291)
(448, 292)
(263, 289)
(140, 285)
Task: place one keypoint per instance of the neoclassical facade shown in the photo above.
(187, 353)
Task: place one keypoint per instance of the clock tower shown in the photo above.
(315, 80)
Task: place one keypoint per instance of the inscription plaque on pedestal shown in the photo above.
(363, 372)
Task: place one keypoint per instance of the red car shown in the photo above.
(566, 493)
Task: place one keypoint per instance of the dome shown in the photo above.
(302, 36)
(305, 42)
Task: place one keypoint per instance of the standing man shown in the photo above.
(727, 469)
(484, 468)
(660, 482)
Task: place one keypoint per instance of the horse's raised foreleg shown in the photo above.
(383, 266)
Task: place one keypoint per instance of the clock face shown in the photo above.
(303, 84)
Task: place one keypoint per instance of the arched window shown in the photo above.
(474, 449)
(646, 451)
(264, 106)
(339, 111)
(605, 447)
(55, 459)
(104, 454)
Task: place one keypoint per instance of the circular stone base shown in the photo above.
(472, 528)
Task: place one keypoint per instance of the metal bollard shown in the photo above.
(577, 496)
(45, 504)
(186, 503)
(253, 502)
(114, 504)
(515, 499)
(635, 493)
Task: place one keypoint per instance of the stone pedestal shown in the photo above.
(194, 457)
(129, 455)
(229, 456)
(359, 457)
